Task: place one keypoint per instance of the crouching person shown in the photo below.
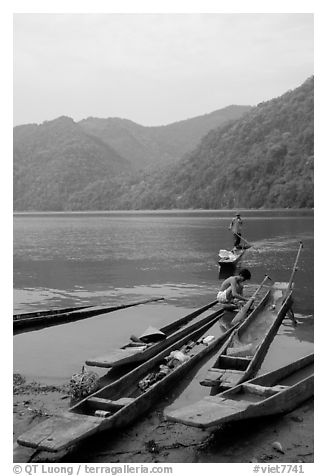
(231, 290)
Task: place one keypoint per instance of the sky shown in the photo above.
(154, 69)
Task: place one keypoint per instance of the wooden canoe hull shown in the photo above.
(68, 429)
(268, 398)
(130, 355)
(239, 360)
(231, 262)
(24, 323)
(48, 312)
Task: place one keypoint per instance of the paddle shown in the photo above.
(243, 312)
(240, 236)
(295, 268)
(290, 312)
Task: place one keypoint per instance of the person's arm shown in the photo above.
(235, 294)
(231, 224)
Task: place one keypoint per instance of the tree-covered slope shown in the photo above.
(148, 146)
(264, 159)
(55, 159)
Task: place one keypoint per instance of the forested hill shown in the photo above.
(265, 159)
(57, 162)
(160, 145)
(55, 159)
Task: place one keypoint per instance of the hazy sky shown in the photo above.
(154, 68)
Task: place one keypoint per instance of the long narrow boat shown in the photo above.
(121, 402)
(241, 356)
(48, 312)
(136, 352)
(24, 323)
(273, 393)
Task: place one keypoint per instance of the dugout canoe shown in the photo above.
(273, 393)
(121, 402)
(137, 352)
(48, 312)
(230, 258)
(242, 354)
(41, 319)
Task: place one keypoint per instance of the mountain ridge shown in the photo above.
(55, 159)
(262, 159)
(148, 145)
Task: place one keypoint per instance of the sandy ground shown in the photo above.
(152, 439)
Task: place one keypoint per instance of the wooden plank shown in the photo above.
(230, 379)
(259, 390)
(43, 436)
(70, 433)
(215, 376)
(224, 401)
(105, 404)
(98, 403)
(223, 371)
(207, 411)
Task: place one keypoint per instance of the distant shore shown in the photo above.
(169, 210)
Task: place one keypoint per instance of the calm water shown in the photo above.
(96, 258)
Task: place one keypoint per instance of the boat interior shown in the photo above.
(268, 385)
(270, 393)
(123, 392)
(238, 352)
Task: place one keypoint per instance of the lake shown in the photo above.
(71, 259)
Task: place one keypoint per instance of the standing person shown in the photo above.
(236, 228)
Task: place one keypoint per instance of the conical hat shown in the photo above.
(151, 334)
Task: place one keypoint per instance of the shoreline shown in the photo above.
(159, 211)
(151, 439)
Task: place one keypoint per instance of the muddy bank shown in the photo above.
(152, 439)
(32, 403)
